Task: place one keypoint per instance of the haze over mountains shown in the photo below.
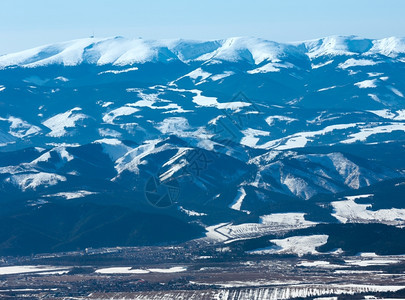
(240, 138)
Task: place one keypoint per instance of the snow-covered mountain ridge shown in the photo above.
(120, 51)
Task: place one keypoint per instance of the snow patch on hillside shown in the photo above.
(108, 132)
(351, 62)
(300, 139)
(396, 91)
(60, 151)
(271, 67)
(72, 195)
(313, 66)
(199, 74)
(114, 148)
(272, 119)
(297, 186)
(110, 117)
(34, 180)
(174, 168)
(20, 128)
(62, 79)
(252, 136)
(59, 123)
(222, 75)
(115, 72)
(134, 158)
(369, 83)
(349, 171)
(174, 125)
(327, 88)
(237, 202)
(191, 213)
(374, 97)
(149, 100)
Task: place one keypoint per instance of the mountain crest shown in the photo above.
(120, 51)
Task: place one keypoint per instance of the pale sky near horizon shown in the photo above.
(27, 23)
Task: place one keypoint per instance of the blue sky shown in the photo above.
(29, 23)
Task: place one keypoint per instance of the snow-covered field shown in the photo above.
(299, 245)
(213, 102)
(398, 115)
(293, 220)
(349, 211)
(32, 269)
(129, 270)
(378, 261)
(368, 131)
(280, 222)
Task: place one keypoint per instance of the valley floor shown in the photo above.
(200, 272)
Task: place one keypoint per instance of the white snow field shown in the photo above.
(348, 211)
(129, 270)
(299, 245)
(213, 102)
(398, 115)
(272, 223)
(30, 269)
(368, 131)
